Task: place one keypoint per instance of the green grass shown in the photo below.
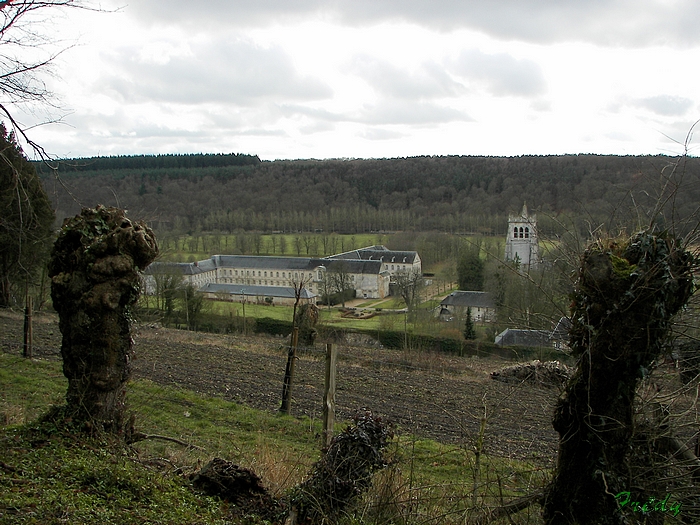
(50, 476)
(187, 251)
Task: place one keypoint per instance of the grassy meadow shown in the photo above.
(51, 476)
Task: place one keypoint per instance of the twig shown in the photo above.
(139, 436)
(515, 506)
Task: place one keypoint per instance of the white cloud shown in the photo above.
(379, 78)
(237, 72)
(386, 112)
(502, 74)
(428, 81)
(607, 22)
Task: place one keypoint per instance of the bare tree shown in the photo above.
(339, 279)
(26, 55)
(409, 285)
(299, 282)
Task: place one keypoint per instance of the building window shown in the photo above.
(392, 266)
(265, 275)
(521, 232)
(515, 233)
(283, 275)
(527, 233)
(278, 274)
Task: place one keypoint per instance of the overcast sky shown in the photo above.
(377, 78)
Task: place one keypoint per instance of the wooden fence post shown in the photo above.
(289, 373)
(27, 352)
(329, 394)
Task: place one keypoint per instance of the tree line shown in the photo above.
(155, 162)
(448, 194)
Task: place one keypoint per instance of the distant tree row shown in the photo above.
(155, 162)
(448, 194)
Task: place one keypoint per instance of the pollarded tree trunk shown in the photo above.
(94, 283)
(624, 300)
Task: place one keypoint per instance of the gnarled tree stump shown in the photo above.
(624, 300)
(94, 283)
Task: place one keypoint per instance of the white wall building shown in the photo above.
(368, 272)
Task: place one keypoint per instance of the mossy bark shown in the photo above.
(625, 298)
(94, 283)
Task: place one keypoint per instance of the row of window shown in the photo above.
(263, 282)
(260, 273)
(266, 283)
(521, 233)
(386, 267)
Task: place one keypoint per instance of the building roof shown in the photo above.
(379, 253)
(264, 262)
(515, 337)
(352, 265)
(286, 292)
(173, 267)
(468, 299)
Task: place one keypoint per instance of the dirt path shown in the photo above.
(426, 394)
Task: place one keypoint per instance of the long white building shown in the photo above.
(369, 271)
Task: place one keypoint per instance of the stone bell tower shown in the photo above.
(521, 242)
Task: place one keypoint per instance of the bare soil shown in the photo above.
(425, 394)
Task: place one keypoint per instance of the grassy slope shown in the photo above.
(50, 477)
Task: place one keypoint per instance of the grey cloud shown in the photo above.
(607, 22)
(264, 133)
(502, 74)
(412, 113)
(381, 134)
(386, 112)
(429, 81)
(666, 105)
(232, 72)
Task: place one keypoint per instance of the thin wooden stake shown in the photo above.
(329, 394)
(289, 374)
(28, 328)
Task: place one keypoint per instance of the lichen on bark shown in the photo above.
(625, 297)
(95, 282)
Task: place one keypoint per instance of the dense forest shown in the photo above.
(454, 194)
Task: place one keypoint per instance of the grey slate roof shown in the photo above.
(352, 265)
(167, 267)
(286, 292)
(515, 337)
(264, 262)
(467, 299)
(379, 253)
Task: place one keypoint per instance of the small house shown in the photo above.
(455, 306)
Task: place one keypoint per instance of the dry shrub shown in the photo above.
(345, 470)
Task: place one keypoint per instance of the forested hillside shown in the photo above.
(228, 193)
